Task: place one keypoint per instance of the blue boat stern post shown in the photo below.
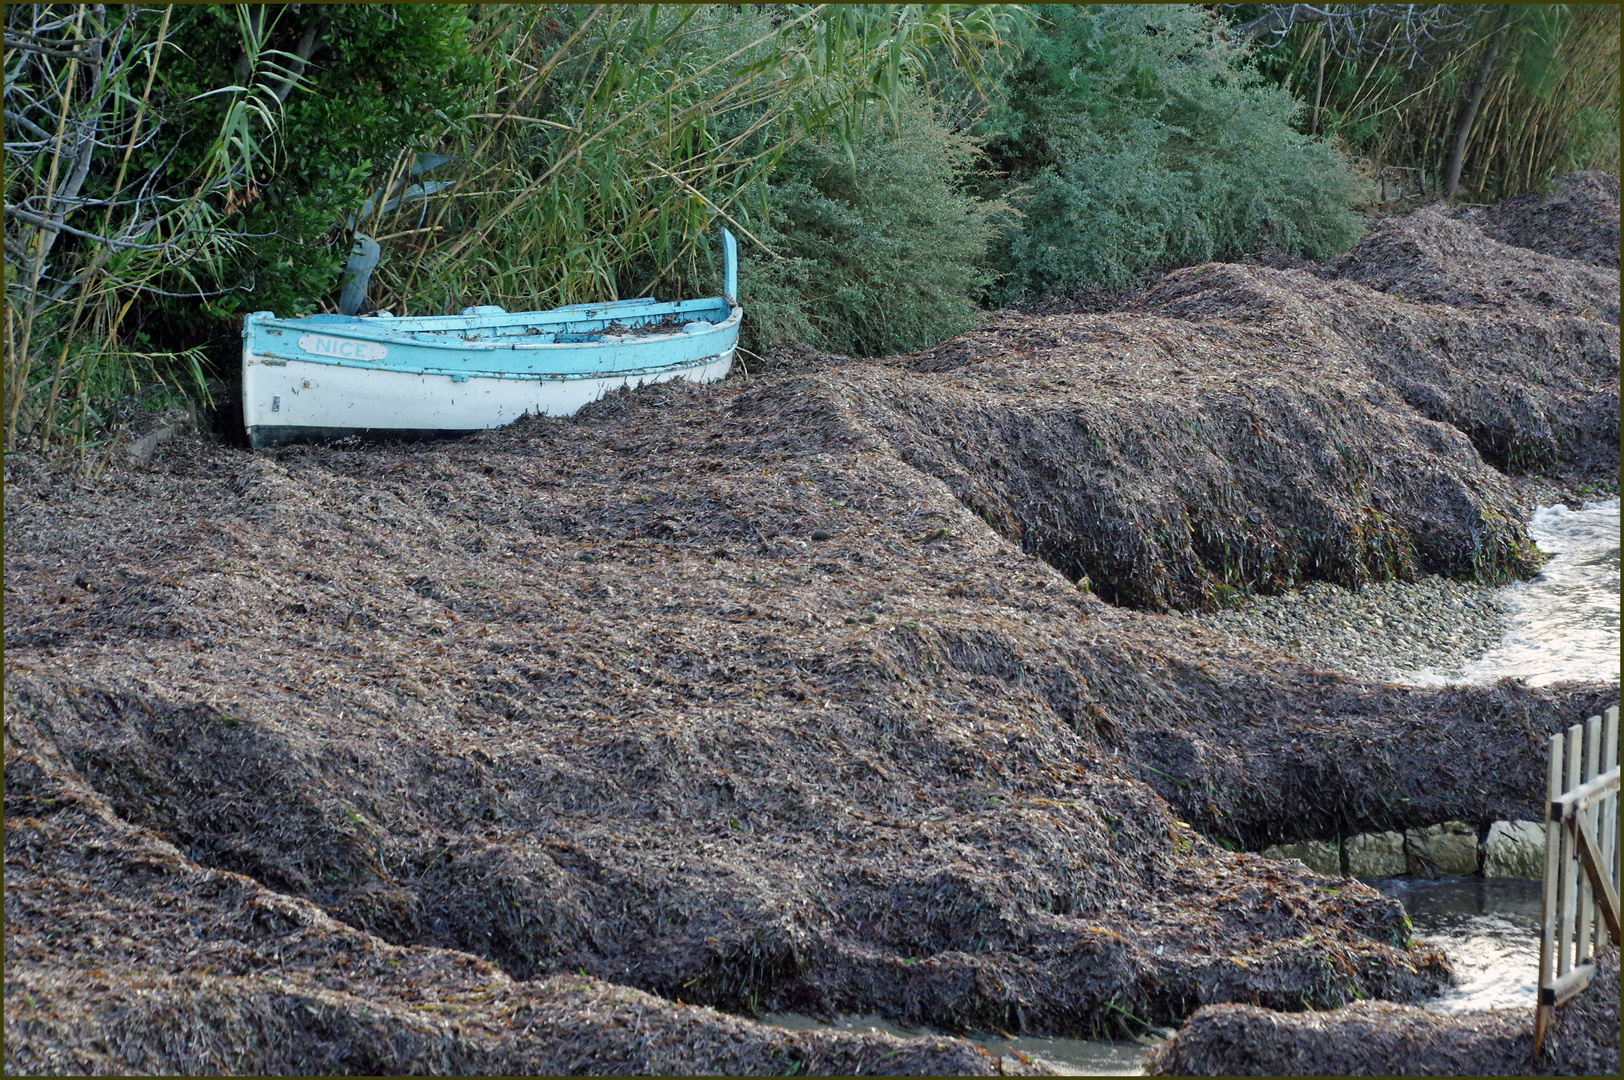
(363, 260)
(730, 267)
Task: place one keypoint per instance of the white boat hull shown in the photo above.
(295, 401)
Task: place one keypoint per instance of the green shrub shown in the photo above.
(884, 250)
(1133, 136)
(718, 115)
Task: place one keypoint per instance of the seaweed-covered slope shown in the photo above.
(587, 694)
(1242, 427)
(584, 694)
(1577, 219)
(125, 957)
(1174, 463)
(1252, 429)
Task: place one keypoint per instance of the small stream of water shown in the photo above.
(1564, 623)
(1489, 929)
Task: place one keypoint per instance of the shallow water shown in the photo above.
(1564, 623)
(1489, 929)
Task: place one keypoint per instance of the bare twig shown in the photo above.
(1402, 30)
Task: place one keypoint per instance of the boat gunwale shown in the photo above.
(471, 373)
(280, 355)
(401, 329)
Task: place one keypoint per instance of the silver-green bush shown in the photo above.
(883, 251)
(1134, 136)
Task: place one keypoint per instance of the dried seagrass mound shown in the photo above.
(1578, 219)
(583, 695)
(1378, 1038)
(1534, 385)
(185, 970)
(1428, 257)
(1249, 428)
(1173, 462)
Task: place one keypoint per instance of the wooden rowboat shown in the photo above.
(327, 377)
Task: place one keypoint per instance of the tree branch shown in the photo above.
(46, 223)
(1278, 19)
(309, 45)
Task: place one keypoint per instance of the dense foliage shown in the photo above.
(880, 250)
(635, 132)
(890, 170)
(167, 169)
(385, 78)
(1135, 136)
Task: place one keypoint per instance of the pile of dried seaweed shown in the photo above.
(1250, 428)
(1578, 219)
(723, 693)
(123, 956)
(584, 694)
(1378, 1038)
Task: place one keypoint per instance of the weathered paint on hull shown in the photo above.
(293, 401)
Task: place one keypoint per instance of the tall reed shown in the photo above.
(616, 137)
(1551, 105)
(86, 238)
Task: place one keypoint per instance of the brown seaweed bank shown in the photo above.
(1378, 1038)
(1577, 219)
(538, 697)
(1243, 428)
(739, 695)
(555, 700)
(123, 956)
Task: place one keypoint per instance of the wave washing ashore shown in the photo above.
(1564, 623)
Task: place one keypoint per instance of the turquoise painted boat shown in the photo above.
(327, 377)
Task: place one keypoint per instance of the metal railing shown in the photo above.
(1581, 862)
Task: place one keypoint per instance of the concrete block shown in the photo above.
(1515, 849)
(1441, 850)
(1318, 855)
(1378, 854)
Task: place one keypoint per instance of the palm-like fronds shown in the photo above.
(79, 86)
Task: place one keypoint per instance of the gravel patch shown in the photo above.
(1379, 632)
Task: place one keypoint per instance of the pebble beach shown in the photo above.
(1381, 631)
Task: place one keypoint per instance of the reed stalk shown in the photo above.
(603, 170)
(1550, 106)
(76, 259)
